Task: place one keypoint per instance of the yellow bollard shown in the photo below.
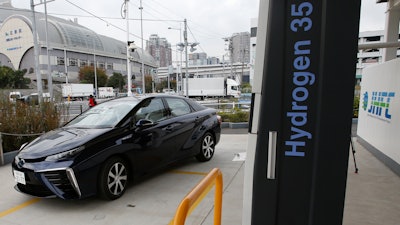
(192, 199)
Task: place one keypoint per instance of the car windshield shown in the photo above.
(106, 114)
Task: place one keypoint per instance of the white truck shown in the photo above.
(211, 87)
(106, 92)
(77, 91)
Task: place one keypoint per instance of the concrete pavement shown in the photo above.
(372, 195)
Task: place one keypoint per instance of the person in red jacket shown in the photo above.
(92, 101)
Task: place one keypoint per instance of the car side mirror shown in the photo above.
(143, 123)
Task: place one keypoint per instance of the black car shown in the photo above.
(99, 151)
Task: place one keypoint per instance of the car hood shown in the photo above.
(60, 140)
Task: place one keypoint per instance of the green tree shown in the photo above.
(12, 79)
(246, 88)
(86, 75)
(17, 79)
(116, 81)
(4, 76)
(148, 83)
(164, 84)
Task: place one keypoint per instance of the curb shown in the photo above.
(234, 125)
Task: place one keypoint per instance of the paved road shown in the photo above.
(151, 201)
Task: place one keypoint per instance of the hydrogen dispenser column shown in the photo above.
(299, 134)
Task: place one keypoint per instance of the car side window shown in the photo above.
(178, 107)
(153, 110)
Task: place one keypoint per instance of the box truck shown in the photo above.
(211, 87)
(106, 92)
(77, 91)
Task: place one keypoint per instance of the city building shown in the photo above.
(239, 52)
(213, 60)
(240, 48)
(70, 47)
(196, 59)
(253, 45)
(160, 49)
(370, 56)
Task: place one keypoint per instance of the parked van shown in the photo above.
(34, 98)
(14, 95)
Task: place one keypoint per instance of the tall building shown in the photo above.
(239, 52)
(253, 45)
(160, 49)
(198, 59)
(213, 60)
(240, 47)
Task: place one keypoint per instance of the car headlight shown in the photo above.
(65, 155)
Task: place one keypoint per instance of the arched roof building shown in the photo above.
(71, 46)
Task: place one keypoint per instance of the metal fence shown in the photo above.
(70, 110)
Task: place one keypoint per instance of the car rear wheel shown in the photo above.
(113, 179)
(207, 148)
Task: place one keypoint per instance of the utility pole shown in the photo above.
(128, 69)
(95, 69)
(49, 77)
(36, 53)
(186, 56)
(141, 34)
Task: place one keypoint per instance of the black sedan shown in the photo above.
(101, 150)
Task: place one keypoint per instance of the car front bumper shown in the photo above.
(46, 180)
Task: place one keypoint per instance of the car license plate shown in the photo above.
(19, 177)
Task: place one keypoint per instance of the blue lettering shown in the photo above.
(293, 151)
(299, 134)
(300, 94)
(303, 78)
(297, 118)
(301, 22)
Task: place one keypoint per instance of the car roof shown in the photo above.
(151, 95)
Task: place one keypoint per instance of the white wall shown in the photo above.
(381, 130)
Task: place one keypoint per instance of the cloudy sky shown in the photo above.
(208, 20)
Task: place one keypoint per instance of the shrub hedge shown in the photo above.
(237, 115)
(21, 122)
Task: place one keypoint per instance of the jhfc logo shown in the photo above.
(380, 103)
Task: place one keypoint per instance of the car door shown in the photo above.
(182, 124)
(153, 140)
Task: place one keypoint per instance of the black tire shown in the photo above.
(207, 148)
(113, 179)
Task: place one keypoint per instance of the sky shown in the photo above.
(208, 21)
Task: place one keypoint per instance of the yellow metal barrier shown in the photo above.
(193, 198)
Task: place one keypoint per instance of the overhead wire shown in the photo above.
(207, 34)
(107, 22)
(155, 18)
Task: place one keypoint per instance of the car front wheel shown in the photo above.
(113, 179)
(207, 148)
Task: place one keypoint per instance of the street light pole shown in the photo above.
(180, 60)
(49, 77)
(186, 59)
(128, 69)
(95, 69)
(36, 53)
(65, 65)
(94, 66)
(141, 34)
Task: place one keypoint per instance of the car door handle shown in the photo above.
(169, 128)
